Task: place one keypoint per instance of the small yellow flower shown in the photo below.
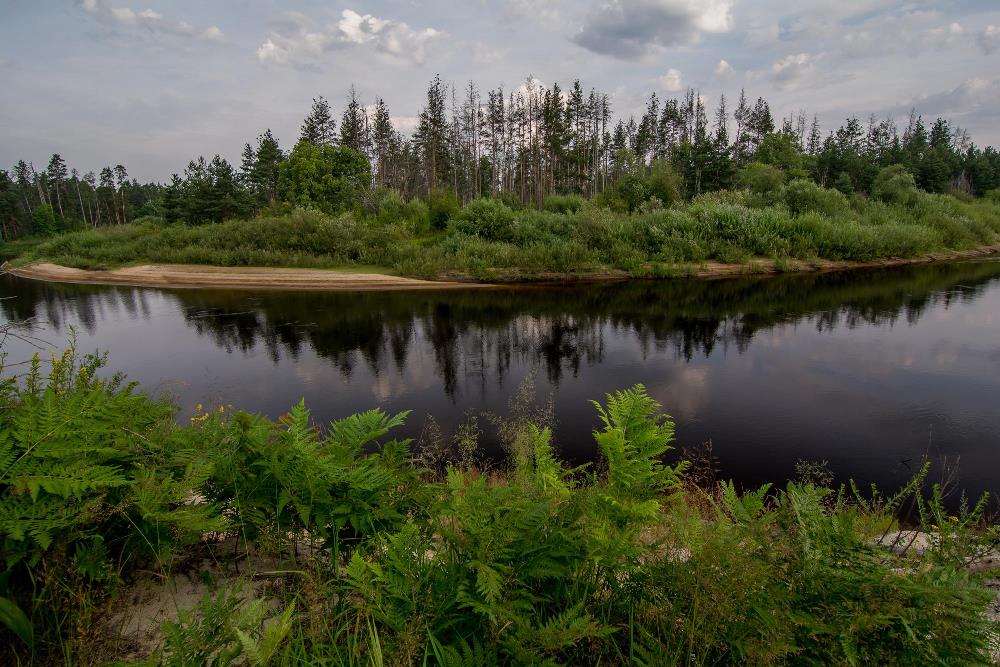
(198, 408)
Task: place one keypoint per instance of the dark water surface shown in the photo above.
(867, 370)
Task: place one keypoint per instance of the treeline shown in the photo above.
(521, 146)
(59, 198)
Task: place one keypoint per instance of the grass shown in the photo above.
(488, 240)
(342, 545)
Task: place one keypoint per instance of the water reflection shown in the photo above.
(766, 367)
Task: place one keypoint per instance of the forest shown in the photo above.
(528, 181)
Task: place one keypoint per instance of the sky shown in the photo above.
(152, 84)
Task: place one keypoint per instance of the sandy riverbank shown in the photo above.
(198, 276)
(187, 275)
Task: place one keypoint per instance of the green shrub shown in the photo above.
(441, 207)
(664, 183)
(761, 179)
(94, 481)
(486, 218)
(895, 185)
(803, 195)
(562, 203)
(43, 220)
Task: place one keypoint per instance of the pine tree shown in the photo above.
(354, 125)
(382, 139)
(57, 173)
(107, 187)
(814, 144)
(122, 177)
(319, 128)
(266, 168)
(431, 137)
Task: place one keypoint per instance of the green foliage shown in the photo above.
(761, 179)
(562, 203)
(664, 183)
(330, 178)
(288, 476)
(895, 185)
(802, 196)
(92, 475)
(781, 151)
(43, 220)
(486, 218)
(441, 207)
(16, 621)
(533, 564)
(224, 629)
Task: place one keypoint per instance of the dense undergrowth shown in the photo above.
(383, 554)
(486, 239)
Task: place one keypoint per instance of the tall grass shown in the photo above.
(375, 560)
(487, 239)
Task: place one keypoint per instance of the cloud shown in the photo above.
(914, 32)
(485, 55)
(792, 69)
(672, 81)
(297, 40)
(150, 20)
(974, 98)
(630, 29)
(989, 39)
(544, 13)
(724, 70)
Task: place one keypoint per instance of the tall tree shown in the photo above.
(431, 137)
(122, 177)
(354, 125)
(319, 128)
(57, 173)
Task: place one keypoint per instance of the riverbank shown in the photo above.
(203, 276)
(196, 276)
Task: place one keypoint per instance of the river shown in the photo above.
(867, 370)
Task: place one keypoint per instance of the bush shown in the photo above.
(664, 183)
(895, 185)
(488, 219)
(803, 195)
(43, 220)
(761, 179)
(562, 203)
(441, 206)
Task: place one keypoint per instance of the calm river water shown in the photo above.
(867, 370)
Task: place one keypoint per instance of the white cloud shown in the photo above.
(913, 32)
(485, 55)
(296, 40)
(633, 28)
(672, 81)
(989, 39)
(977, 97)
(724, 70)
(150, 20)
(545, 13)
(792, 69)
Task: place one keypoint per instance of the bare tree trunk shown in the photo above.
(79, 197)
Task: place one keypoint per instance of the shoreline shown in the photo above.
(190, 276)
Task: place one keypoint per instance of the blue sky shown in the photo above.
(152, 84)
